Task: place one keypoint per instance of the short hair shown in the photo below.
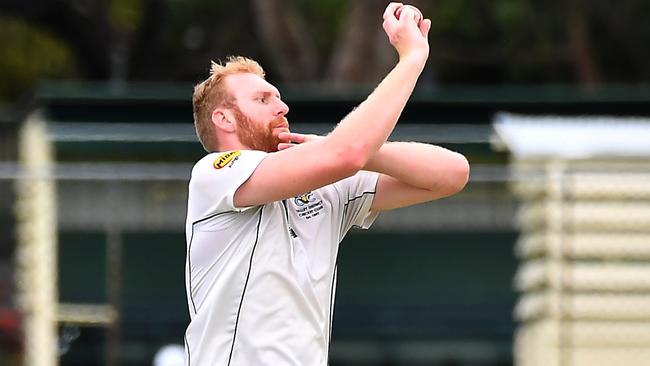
(212, 93)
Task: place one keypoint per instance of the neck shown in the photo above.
(229, 144)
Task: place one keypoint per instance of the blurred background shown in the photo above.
(542, 252)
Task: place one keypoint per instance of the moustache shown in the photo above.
(279, 122)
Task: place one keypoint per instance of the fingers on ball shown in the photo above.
(417, 14)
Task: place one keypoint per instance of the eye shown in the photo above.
(263, 99)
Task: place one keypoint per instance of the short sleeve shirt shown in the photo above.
(260, 280)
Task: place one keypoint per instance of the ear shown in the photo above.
(223, 119)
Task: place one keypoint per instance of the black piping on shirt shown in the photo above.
(187, 348)
(241, 301)
(345, 208)
(189, 257)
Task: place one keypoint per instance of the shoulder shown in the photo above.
(226, 162)
(216, 177)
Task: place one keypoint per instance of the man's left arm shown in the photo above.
(410, 172)
(413, 173)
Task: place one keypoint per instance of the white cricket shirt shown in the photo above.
(260, 280)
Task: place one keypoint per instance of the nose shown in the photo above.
(282, 108)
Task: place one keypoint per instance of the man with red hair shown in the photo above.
(267, 208)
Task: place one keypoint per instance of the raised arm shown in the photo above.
(351, 145)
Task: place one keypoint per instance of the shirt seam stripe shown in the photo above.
(329, 343)
(189, 259)
(187, 350)
(346, 205)
(241, 301)
(345, 208)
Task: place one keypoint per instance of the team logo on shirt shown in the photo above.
(308, 205)
(304, 199)
(225, 159)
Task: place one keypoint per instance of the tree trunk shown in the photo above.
(286, 39)
(363, 54)
(580, 49)
(143, 43)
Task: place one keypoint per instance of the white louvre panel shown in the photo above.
(584, 250)
(598, 215)
(587, 245)
(584, 306)
(589, 343)
(583, 276)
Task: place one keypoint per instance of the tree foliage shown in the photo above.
(328, 41)
(27, 52)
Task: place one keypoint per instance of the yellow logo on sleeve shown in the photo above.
(225, 159)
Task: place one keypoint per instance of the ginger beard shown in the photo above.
(259, 137)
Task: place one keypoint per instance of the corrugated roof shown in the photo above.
(528, 136)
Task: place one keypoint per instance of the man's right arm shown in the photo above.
(358, 136)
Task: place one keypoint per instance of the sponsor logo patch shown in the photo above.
(225, 159)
